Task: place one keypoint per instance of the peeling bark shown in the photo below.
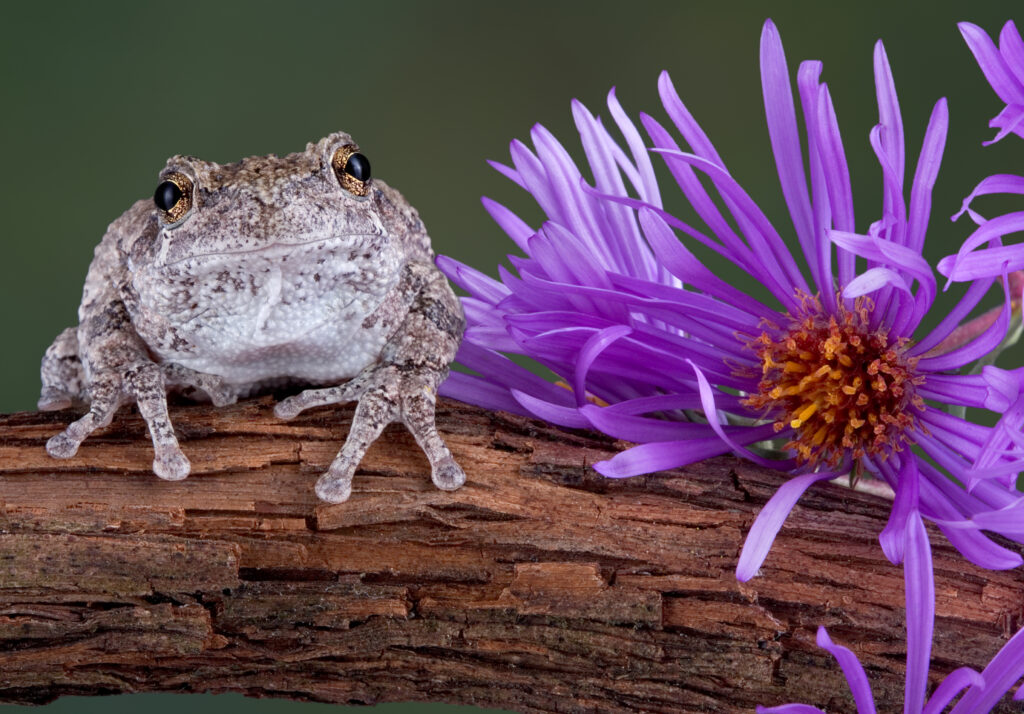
(538, 587)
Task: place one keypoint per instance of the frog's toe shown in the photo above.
(171, 465)
(334, 488)
(62, 446)
(447, 474)
(288, 408)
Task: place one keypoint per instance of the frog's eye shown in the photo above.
(174, 196)
(352, 170)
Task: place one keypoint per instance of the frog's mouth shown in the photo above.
(172, 255)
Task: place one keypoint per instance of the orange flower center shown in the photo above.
(843, 387)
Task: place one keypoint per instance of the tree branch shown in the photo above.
(540, 586)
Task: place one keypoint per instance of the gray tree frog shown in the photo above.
(233, 278)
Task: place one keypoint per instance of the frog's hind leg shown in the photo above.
(400, 386)
(61, 373)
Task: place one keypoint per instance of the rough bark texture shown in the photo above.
(538, 587)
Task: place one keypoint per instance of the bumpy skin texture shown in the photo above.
(277, 273)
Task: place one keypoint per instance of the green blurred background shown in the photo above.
(96, 96)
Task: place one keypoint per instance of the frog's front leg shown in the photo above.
(400, 386)
(118, 369)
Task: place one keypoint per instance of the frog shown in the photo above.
(271, 272)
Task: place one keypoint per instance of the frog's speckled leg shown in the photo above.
(61, 372)
(146, 383)
(401, 386)
(418, 415)
(291, 407)
(376, 409)
(105, 398)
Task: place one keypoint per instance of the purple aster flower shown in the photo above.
(1004, 69)
(653, 347)
(983, 691)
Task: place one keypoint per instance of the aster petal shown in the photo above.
(969, 541)
(483, 392)
(780, 114)
(955, 433)
(920, 612)
(992, 64)
(514, 226)
(838, 179)
(594, 346)
(1009, 121)
(966, 265)
(951, 686)
(819, 249)
(976, 348)
(660, 456)
(535, 179)
(573, 214)
(924, 177)
(669, 402)
(853, 670)
(691, 312)
(1002, 672)
(1011, 47)
(768, 522)
(906, 261)
(1007, 521)
(508, 172)
(994, 389)
(1002, 454)
(892, 126)
(472, 280)
(554, 413)
(893, 537)
(707, 398)
(684, 121)
(513, 376)
(997, 183)
(779, 274)
(873, 280)
(990, 261)
(649, 185)
(641, 429)
(616, 220)
(684, 265)
(731, 246)
(953, 318)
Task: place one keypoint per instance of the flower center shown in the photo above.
(843, 387)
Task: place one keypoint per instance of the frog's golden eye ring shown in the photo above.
(174, 196)
(352, 169)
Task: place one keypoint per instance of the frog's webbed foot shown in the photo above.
(220, 393)
(386, 394)
(144, 383)
(401, 386)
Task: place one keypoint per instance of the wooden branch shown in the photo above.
(540, 586)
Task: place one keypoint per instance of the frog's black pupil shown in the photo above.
(167, 195)
(358, 167)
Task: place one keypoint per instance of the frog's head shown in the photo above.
(324, 193)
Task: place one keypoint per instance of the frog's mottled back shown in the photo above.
(300, 267)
